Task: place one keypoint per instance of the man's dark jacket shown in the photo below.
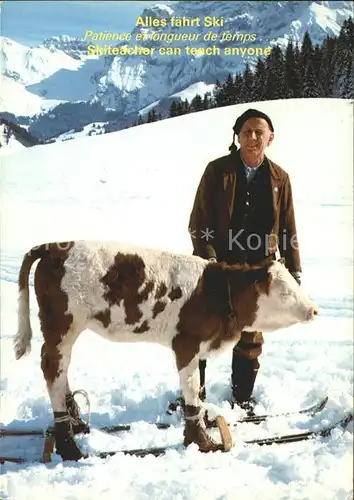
(214, 205)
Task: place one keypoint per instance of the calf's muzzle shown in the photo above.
(311, 313)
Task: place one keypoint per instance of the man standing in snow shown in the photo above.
(243, 213)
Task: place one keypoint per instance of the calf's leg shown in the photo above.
(194, 431)
(55, 364)
(60, 330)
(188, 370)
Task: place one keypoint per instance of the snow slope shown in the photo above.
(137, 186)
(12, 146)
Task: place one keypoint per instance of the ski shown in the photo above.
(141, 452)
(285, 439)
(42, 432)
(303, 436)
(310, 410)
(255, 419)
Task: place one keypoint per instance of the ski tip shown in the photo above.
(322, 403)
(346, 420)
(225, 433)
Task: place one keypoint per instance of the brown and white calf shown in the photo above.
(132, 294)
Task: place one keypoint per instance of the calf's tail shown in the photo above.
(22, 340)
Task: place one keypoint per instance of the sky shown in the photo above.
(29, 22)
(120, 187)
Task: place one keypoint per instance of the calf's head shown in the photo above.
(280, 300)
(262, 298)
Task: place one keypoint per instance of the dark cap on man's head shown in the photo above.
(251, 113)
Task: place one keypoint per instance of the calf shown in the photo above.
(132, 294)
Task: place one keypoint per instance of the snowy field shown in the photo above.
(137, 186)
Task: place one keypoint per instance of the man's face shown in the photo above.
(255, 135)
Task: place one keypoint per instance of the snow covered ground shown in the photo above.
(137, 186)
(12, 146)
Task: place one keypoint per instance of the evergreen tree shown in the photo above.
(343, 70)
(247, 84)
(216, 91)
(153, 115)
(260, 79)
(306, 53)
(207, 102)
(309, 60)
(180, 109)
(238, 89)
(317, 59)
(224, 93)
(275, 75)
(196, 104)
(185, 107)
(348, 90)
(327, 66)
(219, 96)
(311, 84)
(173, 109)
(291, 74)
(297, 55)
(298, 81)
(217, 85)
(324, 70)
(229, 90)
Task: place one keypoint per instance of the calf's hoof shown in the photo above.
(204, 445)
(195, 432)
(67, 449)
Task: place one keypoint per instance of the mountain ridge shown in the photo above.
(59, 74)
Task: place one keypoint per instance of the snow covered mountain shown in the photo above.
(28, 65)
(59, 78)
(36, 79)
(136, 81)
